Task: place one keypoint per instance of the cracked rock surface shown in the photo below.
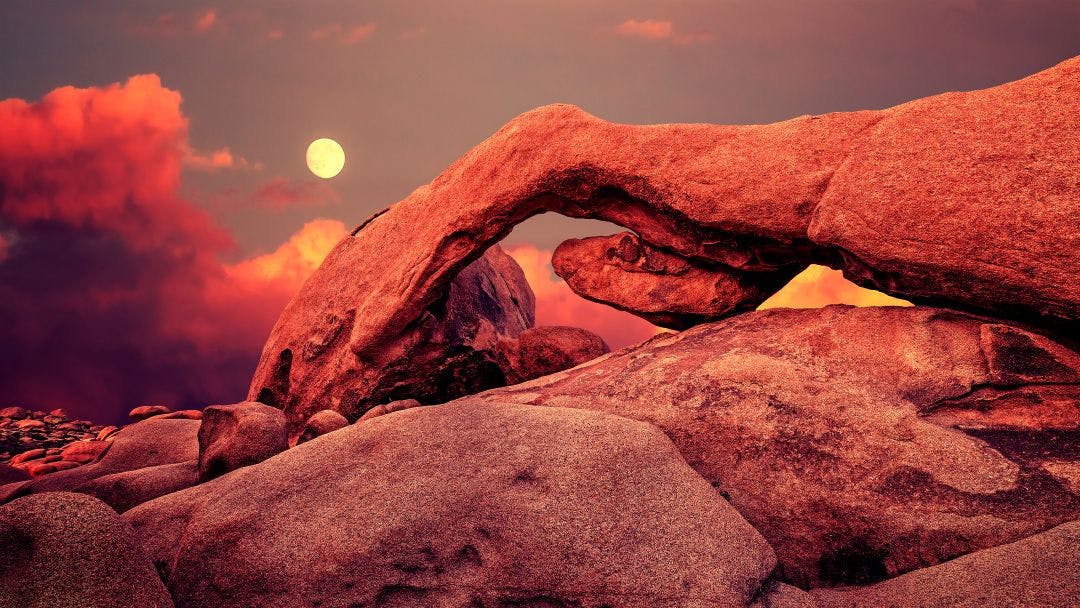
(861, 442)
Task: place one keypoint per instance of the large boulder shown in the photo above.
(966, 198)
(861, 442)
(457, 346)
(502, 505)
(64, 550)
(239, 435)
(1041, 571)
(138, 446)
(126, 489)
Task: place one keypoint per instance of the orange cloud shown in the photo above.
(347, 36)
(556, 304)
(222, 158)
(205, 21)
(654, 29)
(819, 286)
(651, 29)
(288, 266)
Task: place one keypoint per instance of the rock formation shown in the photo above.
(664, 288)
(465, 342)
(239, 435)
(61, 550)
(861, 442)
(460, 505)
(829, 458)
(968, 199)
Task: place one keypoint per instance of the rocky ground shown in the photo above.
(411, 438)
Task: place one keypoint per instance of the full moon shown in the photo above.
(325, 158)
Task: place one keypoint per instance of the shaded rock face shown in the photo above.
(239, 435)
(932, 201)
(1042, 570)
(862, 443)
(136, 447)
(457, 346)
(64, 550)
(543, 350)
(503, 505)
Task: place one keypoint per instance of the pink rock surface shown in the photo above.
(861, 442)
(64, 550)
(456, 347)
(460, 505)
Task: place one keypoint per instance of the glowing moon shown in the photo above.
(325, 158)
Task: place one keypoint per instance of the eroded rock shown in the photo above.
(934, 200)
(861, 442)
(664, 288)
(239, 435)
(500, 506)
(458, 346)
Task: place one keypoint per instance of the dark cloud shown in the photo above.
(112, 289)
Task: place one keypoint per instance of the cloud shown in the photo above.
(286, 268)
(655, 29)
(251, 22)
(113, 292)
(222, 158)
(819, 286)
(556, 304)
(345, 35)
(206, 20)
(277, 194)
(651, 29)
(281, 193)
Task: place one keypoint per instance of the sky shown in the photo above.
(156, 212)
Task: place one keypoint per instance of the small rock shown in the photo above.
(182, 414)
(145, 411)
(29, 423)
(85, 451)
(320, 424)
(387, 408)
(28, 455)
(50, 419)
(59, 412)
(106, 431)
(14, 412)
(238, 435)
(40, 468)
